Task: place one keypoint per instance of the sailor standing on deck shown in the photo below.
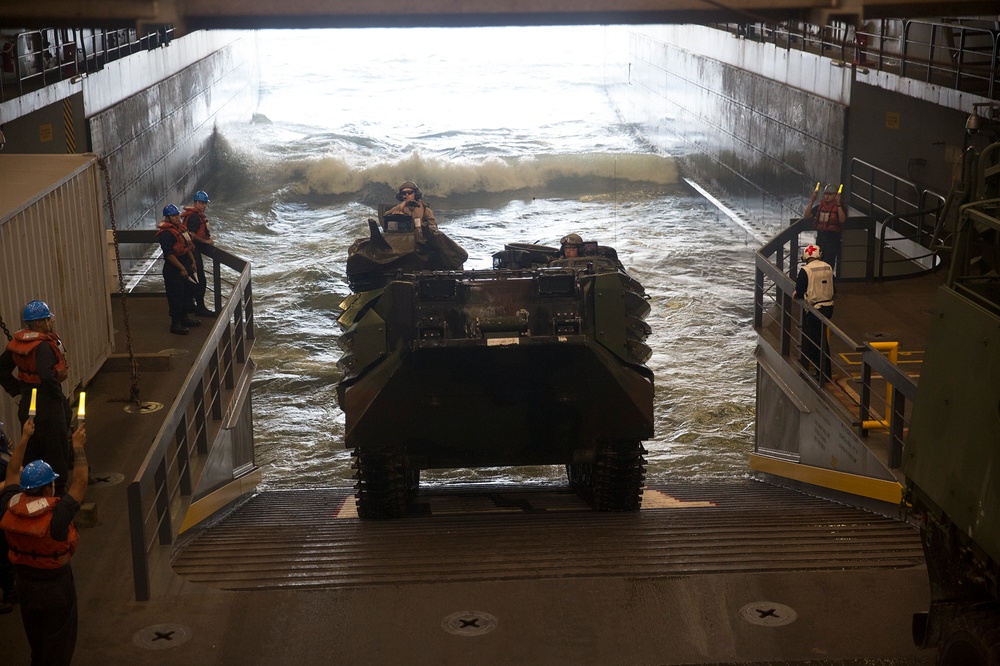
(180, 273)
(40, 359)
(41, 538)
(814, 284)
(828, 220)
(196, 221)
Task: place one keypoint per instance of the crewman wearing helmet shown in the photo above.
(196, 221)
(7, 448)
(180, 274)
(37, 523)
(828, 218)
(412, 205)
(571, 246)
(814, 284)
(39, 357)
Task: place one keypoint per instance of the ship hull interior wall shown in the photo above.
(757, 124)
(918, 140)
(158, 142)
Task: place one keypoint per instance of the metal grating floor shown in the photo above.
(308, 538)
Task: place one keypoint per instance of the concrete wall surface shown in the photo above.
(157, 139)
(754, 124)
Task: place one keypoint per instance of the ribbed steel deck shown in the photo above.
(301, 539)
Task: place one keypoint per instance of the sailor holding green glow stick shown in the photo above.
(37, 355)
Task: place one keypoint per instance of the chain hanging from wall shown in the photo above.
(132, 363)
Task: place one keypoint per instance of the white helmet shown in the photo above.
(812, 252)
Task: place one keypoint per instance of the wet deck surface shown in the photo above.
(735, 573)
(295, 540)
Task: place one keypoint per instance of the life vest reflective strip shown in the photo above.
(820, 289)
(182, 238)
(201, 230)
(22, 348)
(827, 217)
(27, 528)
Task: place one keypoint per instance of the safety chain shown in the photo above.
(133, 364)
(6, 332)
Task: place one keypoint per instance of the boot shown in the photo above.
(202, 311)
(189, 322)
(177, 326)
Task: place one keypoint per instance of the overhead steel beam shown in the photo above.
(196, 14)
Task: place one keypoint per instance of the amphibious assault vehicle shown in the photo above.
(537, 361)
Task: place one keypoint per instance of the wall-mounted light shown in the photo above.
(990, 114)
(78, 77)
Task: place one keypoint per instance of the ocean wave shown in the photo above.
(243, 171)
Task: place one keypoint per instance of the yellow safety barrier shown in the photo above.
(893, 349)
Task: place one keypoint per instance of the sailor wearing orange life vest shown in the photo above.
(828, 220)
(38, 356)
(41, 537)
(179, 271)
(196, 221)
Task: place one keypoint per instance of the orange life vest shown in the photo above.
(22, 348)
(827, 217)
(182, 238)
(201, 229)
(26, 525)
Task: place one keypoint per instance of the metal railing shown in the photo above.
(777, 325)
(968, 277)
(161, 490)
(911, 218)
(953, 55)
(33, 59)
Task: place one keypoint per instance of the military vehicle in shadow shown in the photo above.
(952, 454)
(537, 361)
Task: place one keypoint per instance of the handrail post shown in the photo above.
(961, 58)
(215, 384)
(866, 397)
(930, 57)
(162, 490)
(993, 66)
(201, 418)
(758, 298)
(217, 282)
(786, 323)
(903, 48)
(183, 457)
(896, 424)
(870, 252)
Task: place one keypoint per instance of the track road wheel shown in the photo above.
(619, 474)
(381, 484)
(972, 639)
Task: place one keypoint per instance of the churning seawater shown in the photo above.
(511, 137)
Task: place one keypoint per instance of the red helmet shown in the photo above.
(812, 252)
